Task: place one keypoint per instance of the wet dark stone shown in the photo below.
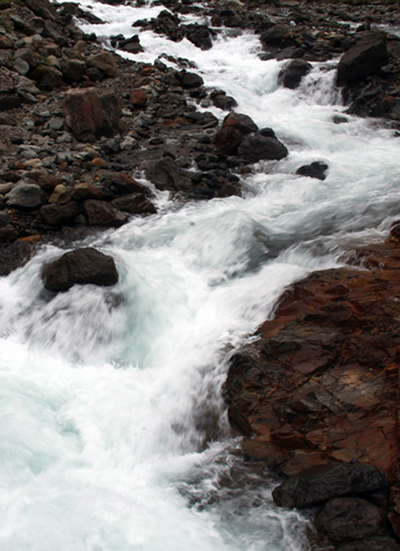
(243, 123)
(228, 139)
(191, 80)
(257, 147)
(313, 170)
(291, 75)
(346, 519)
(371, 544)
(81, 266)
(316, 486)
(54, 214)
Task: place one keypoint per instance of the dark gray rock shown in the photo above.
(257, 147)
(275, 35)
(9, 101)
(291, 75)
(363, 59)
(313, 170)
(25, 196)
(316, 486)
(166, 175)
(347, 518)
(191, 80)
(201, 38)
(81, 266)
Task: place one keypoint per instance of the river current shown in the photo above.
(114, 435)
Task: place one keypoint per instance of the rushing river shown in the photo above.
(113, 430)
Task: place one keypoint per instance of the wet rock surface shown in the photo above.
(81, 266)
(317, 396)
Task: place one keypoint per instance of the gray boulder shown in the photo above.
(363, 59)
(25, 196)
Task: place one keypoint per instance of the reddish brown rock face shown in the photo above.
(321, 383)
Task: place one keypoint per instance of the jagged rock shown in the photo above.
(25, 196)
(138, 98)
(57, 214)
(316, 486)
(80, 267)
(100, 213)
(124, 184)
(257, 147)
(72, 70)
(228, 139)
(313, 170)
(291, 75)
(244, 123)
(224, 102)
(346, 519)
(104, 61)
(135, 203)
(89, 112)
(42, 8)
(363, 59)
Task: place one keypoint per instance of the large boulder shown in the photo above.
(371, 544)
(316, 486)
(363, 59)
(290, 76)
(81, 266)
(91, 114)
(257, 147)
(274, 35)
(349, 518)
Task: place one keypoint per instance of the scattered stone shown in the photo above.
(191, 80)
(136, 203)
(80, 267)
(61, 195)
(104, 61)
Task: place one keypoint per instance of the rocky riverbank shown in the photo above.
(321, 382)
(79, 125)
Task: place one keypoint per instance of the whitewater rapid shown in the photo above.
(114, 435)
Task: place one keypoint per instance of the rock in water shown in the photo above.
(363, 59)
(81, 266)
(291, 75)
(313, 170)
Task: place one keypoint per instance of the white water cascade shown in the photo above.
(113, 431)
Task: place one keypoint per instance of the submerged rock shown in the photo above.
(81, 266)
(291, 75)
(313, 170)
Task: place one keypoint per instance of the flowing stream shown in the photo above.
(113, 430)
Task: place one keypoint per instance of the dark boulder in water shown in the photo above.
(228, 139)
(241, 122)
(313, 170)
(257, 147)
(291, 75)
(81, 266)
